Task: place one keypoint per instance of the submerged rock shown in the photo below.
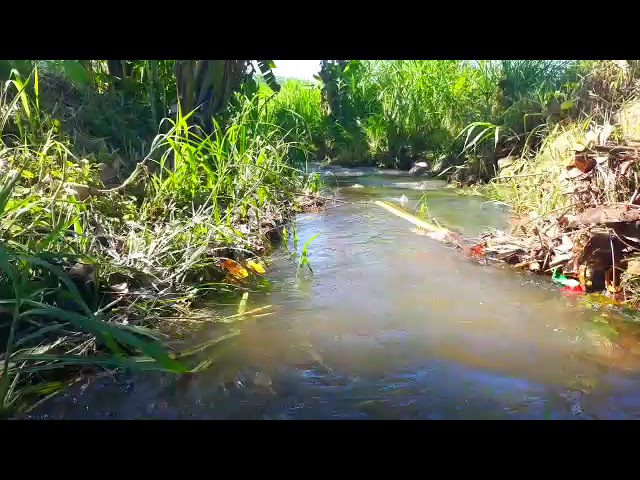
(420, 168)
(425, 185)
(336, 171)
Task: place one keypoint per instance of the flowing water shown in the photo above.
(393, 325)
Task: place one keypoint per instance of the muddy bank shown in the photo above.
(593, 238)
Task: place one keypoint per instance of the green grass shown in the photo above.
(393, 112)
(591, 94)
(296, 112)
(89, 274)
(92, 274)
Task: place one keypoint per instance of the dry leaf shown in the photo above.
(256, 267)
(584, 277)
(560, 259)
(612, 285)
(605, 214)
(120, 287)
(633, 267)
(233, 279)
(551, 231)
(584, 163)
(625, 166)
(566, 245)
(234, 268)
(574, 173)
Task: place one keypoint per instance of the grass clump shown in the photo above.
(296, 112)
(92, 275)
(533, 177)
(572, 184)
(395, 113)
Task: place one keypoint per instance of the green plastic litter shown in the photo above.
(564, 281)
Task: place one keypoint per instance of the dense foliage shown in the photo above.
(129, 188)
(112, 225)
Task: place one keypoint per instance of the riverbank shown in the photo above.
(590, 233)
(97, 271)
(115, 223)
(574, 193)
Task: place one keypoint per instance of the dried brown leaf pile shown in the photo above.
(597, 236)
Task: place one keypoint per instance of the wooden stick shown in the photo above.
(407, 216)
(614, 149)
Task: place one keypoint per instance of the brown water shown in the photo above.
(392, 325)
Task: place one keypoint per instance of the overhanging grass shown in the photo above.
(88, 272)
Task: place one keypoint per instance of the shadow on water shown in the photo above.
(395, 325)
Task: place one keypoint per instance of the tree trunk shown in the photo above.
(115, 68)
(119, 70)
(208, 86)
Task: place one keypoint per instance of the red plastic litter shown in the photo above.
(579, 290)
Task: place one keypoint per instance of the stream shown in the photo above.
(393, 325)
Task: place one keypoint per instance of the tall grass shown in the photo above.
(564, 103)
(48, 323)
(394, 112)
(424, 104)
(89, 275)
(296, 112)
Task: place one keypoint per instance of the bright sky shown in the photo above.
(302, 69)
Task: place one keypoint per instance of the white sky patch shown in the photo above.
(301, 69)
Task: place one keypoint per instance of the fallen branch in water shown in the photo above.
(407, 216)
(437, 232)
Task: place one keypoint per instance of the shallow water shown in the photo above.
(392, 325)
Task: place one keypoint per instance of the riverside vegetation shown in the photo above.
(121, 208)
(110, 233)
